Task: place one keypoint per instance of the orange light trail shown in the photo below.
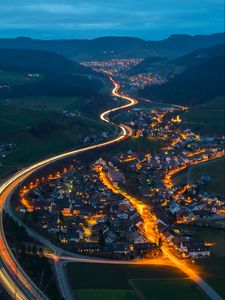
(151, 236)
(9, 185)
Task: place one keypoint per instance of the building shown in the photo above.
(116, 177)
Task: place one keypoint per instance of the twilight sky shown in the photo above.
(148, 19)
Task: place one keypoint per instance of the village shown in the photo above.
(120, 68)
(85, 208)
(76, 210)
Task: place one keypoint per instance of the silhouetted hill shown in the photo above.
(116, 47)
(201, 80)
(165, 66)
(37, 61)
(199, 56)
(180, 44)
(61, 76)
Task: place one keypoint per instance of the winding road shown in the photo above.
(12, 276)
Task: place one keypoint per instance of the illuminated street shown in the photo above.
(148, 220)
(13, 277)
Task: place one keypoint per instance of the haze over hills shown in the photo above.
(117, 47)
(200, 78)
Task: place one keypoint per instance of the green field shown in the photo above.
(41, 132)
(128, 282)
(36, 124)
(46, 103)
(142, 144)
(106, 295)
(208, 118)
(215, 169)
(169, 289)
(211, 269)
(10, 78)
(217, 103)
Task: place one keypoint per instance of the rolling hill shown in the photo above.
(48, 105)
(54, 75)
(199, 80)
(117, 47)
(38, 61)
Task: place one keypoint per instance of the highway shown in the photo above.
(12, 276)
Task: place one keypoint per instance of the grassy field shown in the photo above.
(39, 128)
(42, 132)
(127, 282)
(22, 117)
(208, 118)
(215, 169)
(169, 289)
(217, 103)
(45, 103)
(10, 78)
(142, 144)
(106, 295)
(212, 269)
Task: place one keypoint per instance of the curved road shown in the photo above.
(14, 279)
(12, 276)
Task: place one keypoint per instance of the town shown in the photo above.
(120, 68)
(86, 209)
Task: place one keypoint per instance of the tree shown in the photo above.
(41, 252)
(29, 249)
(101, 238)
(34, 250)
(23, 253)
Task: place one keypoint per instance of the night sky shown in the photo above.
(148, 19)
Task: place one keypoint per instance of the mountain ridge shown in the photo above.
(109, 47)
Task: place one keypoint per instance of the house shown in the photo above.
(116, 177)
(169, 235)
(162, 217)
(88, 248)
(110, 237)
(174, 207)
(136, 220)
(121, 248)
(161, 227)
(144, 248)
(203, 251)
(193, 249)
(136, 238)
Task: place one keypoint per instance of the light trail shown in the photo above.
(20, 284)
(150, 235)
(16, 280)
(6, 281)
(68, 259)
(115, 92)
